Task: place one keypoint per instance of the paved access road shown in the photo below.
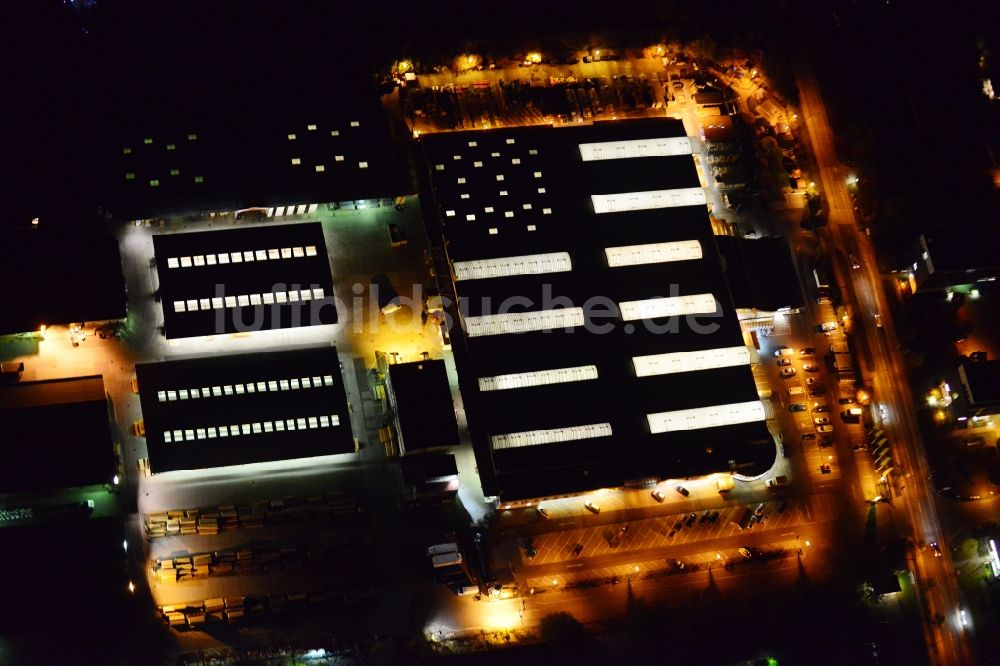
(936, 581)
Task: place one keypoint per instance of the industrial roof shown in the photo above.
(55, 434)
(981, 382)
(760, 273)
(600, 232)
(248, 408)
(249, 278)
(421, 400)
(237, 153)
(58, 277)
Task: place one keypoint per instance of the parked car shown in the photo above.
(658, 495)
(692, 517)
(808, 436)
(824, 428)
(784, 362)
(577, 549)
(683, 491)
(797, 407)
(810, 367)
(787, 372)
(807, 351)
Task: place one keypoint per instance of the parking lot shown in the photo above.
(654, 533)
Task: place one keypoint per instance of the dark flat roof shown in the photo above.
(421, 397)
(294, 259)
(952, 250)
(983, 381)
(527, 191)
(760, 273)
(76, 563)
(236, 152)
(55, 434)
(274, 406)
(50, 276)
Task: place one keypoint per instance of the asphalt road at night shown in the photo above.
(937, 584)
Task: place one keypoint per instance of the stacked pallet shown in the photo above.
(209, 521)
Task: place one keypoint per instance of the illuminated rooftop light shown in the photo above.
(706, 417)
(538, 378)
(550, 436)
(652, 199)
(614, 150)
(653, 253)
(523, 322)
(674, 362)
(671, 306)
(529, 264)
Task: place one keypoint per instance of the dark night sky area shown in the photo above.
(901, 83)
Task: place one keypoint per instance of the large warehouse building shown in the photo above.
(246, 408)
(585, 267)
(245, 279)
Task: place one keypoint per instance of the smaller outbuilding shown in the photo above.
(422, 409)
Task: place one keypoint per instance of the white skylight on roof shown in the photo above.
(626, 201)
(652, 253)
(668, 307)
(529, 264)
(256, 428)
(705, 359)
(613, 150)
(518, 380)
(523, 322)
(515, 440)
(707, 417)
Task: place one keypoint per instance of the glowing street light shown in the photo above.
(534, 58)
(115, 480)
(131, 586)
